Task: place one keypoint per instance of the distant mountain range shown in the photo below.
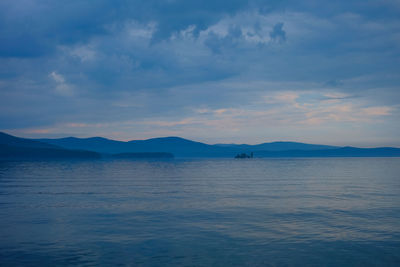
(167, 147)
(180, 147)
(12, 147)
(278, 146)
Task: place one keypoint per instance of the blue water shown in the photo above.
(219, 212)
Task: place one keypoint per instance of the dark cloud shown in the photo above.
(219, 43)
(278, 34)
(44, 24)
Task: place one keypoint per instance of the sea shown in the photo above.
(201, 212)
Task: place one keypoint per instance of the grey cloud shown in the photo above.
(278, 34)
(217, 43)
(45, 24)
(333, 83)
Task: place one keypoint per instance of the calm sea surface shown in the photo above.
(219, 212)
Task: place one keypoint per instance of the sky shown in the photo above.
(213, 71)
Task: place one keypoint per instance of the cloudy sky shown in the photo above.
(213, 71)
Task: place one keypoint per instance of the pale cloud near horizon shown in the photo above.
(281, 110)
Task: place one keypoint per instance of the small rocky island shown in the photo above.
(244, 156)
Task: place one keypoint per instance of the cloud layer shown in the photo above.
(250, 71)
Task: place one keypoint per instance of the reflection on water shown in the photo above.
(201, 212)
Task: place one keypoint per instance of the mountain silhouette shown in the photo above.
(168, 147)
(12, 147)
(338, 152)
(278, 146)
(178, 146)
(181, 147)
(6, 139)
(98, 144)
